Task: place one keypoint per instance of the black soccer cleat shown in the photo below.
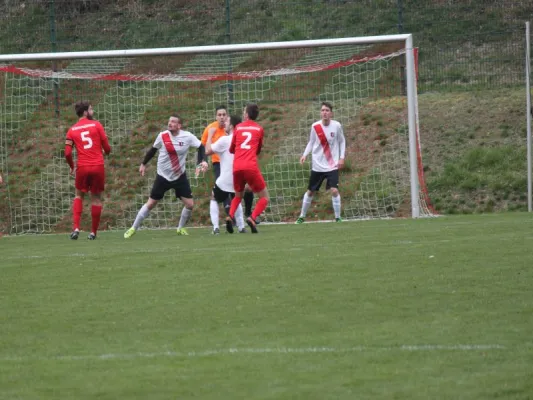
(229, 225)
(74, 235)
(251, 223)
(91, 236)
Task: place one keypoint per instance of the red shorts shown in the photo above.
(90, 179)
(253, 178)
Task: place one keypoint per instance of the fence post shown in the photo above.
(53, 41)
(229, 83)
(528, 116)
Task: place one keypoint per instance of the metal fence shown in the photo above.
(463, 43)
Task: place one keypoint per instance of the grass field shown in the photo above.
(387, 309)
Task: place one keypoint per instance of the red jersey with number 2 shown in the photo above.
(246, 145)
(89, 138)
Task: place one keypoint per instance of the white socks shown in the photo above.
(141, 215)
(336, 201)
(239, 217)
(213, 213)
(185, 215)
(306, 203)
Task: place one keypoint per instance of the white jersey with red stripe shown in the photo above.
(326, 145)
(221, 147)
(173, 151)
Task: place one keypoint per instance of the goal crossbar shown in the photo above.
(207, 49)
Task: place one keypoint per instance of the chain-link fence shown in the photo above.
(463, 43)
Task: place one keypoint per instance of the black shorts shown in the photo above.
(161, 186)
(216, 170)
(220, 195)
(316, 179)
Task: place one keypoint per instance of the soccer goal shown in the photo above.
(371, 82)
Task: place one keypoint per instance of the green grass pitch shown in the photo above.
(386, 309)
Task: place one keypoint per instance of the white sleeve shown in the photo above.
(342, 141)
(194, 141)
(221, 145)
(158, 142)
(311, 142)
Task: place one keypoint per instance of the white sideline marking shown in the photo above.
(273, 350)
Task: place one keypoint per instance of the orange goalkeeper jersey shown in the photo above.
(218, 134)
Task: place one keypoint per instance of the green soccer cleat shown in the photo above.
(182, 232)
(300, 220)
(130, 232)
(338, 219)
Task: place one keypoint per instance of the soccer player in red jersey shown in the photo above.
(246, 145)
(89, 138)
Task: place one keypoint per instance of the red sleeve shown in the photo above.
(105, 142)
(260, 144)
(68, 156)
(232, 145)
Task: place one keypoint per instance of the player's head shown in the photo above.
(326, 112)
(231, 123)
(84, 109)
(174, 123)
(251, 111)
(221, 115)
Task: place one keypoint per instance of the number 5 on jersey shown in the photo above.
(87, 141)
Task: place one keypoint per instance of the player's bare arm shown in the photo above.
(302, 159)
(208, 150)
(340, 164)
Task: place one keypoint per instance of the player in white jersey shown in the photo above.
(223, 189)
(327, 146)
(173, 146)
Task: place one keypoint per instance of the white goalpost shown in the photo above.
(371, 82)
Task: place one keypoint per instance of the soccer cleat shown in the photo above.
(216, 231)
(338, 219)
(229, 225)
(91, 236)
(243, 230)
(74, 235)
(251, 223)
(182, 232)
(300, 220)
(130, 232)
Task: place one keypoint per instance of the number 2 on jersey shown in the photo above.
(87, 141)
(245, 145)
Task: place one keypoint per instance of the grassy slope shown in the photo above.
(443, 141)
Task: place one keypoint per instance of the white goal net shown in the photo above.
(134, 95)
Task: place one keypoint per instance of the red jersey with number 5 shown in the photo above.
(89, 138)
(246, 145)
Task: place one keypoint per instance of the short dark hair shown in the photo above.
(221, 107)
(234, 120)
(81, 107)
(176, 115)
(327, 104)
(252, 110)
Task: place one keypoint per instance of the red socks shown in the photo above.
(77, 208)
(96, 212)
(234, 205)
(259, 207)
